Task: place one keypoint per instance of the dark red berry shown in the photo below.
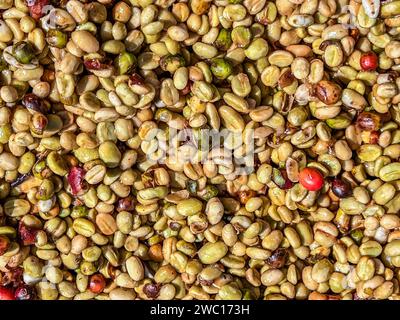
(136, 79)
(97, 64)
(76, 179)
(27, 234)
(12, 277)
(369, 61)
(36, 8)
(24, 292)
(92, 64)
(277, 258)
(126, 204)
(6, 294)
(341, 188)
(152, 290)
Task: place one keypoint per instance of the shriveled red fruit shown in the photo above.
(92, 64)
(12, 277)
(36, 8)
(97, 283)
(136, 79)
(24, 292)
(277, 258)
(27, 234)
(369, 61)
(97, 64)
(126, 204)
(6, 294)
(152, 290)
(4, 244)
(75, 179)
(311, 179)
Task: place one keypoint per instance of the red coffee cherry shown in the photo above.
(369, 61)
(97, 283)
(311, 179)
